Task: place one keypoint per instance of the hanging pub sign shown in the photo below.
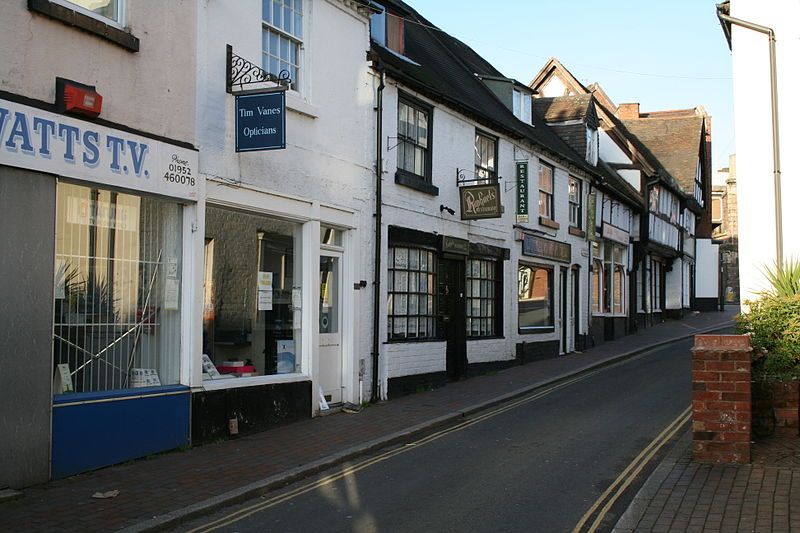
(535, 246)
(480, 201)
(261, 121)
(522, 192)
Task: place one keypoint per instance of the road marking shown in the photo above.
(618, 487)
(350, 470)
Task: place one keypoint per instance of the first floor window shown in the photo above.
(534, 297)
(483, 294)
(253, 276)
(575, 203)
(411, 305)
(103, 9)
(117, 288)
(485, 157)
(546, 191)
(282, 37)
(413, 138)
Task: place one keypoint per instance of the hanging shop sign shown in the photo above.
(480, 201)
(522, 192)
(615, 234)
(454, 245)
(591, 217)
(261, 121)
(535, 246)
(57, 144)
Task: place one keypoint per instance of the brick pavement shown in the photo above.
(168, 485)
(682, 495)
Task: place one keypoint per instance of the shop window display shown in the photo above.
(252, 295)
(117, 290)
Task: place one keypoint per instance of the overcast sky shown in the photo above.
(664, 55)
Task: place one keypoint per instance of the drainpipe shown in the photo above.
(376, 305)
(776, 154)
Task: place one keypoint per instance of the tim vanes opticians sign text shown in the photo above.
(65, 146)
(261, 121)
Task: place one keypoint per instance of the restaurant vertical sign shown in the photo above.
(522, 191)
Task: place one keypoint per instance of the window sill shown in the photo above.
(536, 331)
(577, 232)
(70, 17)
(548, 223)
(494, 337)
(415, 182)
(295, 103)
(413, 341)
(235, 383)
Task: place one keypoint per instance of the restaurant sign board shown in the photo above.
(480, 201)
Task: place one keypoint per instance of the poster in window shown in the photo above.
(286, 356)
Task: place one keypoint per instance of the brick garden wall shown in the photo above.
(721, 409)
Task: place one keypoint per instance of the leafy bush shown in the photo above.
(784, 279)
(773, 324)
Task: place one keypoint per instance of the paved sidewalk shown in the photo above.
(682, 495)
(163, 489)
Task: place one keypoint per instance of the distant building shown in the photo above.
(724, 219)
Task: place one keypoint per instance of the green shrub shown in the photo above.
(773, 323)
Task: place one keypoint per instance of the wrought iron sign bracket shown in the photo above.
(462, 179)
(241, 73)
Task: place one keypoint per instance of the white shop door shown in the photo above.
(330, 327)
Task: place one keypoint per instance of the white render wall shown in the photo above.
(152, 90)
(707, 278)
(453, 147)
(752, 120)
(325, 174)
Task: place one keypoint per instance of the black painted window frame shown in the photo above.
(431, 272)
(90, 24)
(484, 171)
(424, 181)
(490, 277)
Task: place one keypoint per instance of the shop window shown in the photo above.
(597, 286)
(483, 296)
(546, 191)
(485, 157)
(252, 295)
(535, 298)
(411, 291)
(575, 203)
(614, 265)
(117, 290)
(282, 37)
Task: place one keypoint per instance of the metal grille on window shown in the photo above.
(411, 290)
(117, 289)
(481, 298)
(282, 37)
(412, 136)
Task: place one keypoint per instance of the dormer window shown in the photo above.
(592, 148)
(388, 29)
(522, 106)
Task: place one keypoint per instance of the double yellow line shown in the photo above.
(618, 487)
(350, 470)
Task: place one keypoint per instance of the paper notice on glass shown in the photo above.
(172, 268)
(171, 294)
(265, 281)
(265, 300)
(297, 299)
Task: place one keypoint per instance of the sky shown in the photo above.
(664, 55)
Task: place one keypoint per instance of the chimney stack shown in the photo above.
(628, 111)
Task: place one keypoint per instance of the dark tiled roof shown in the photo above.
(563, 108)
(675, 142)
(444, 69)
